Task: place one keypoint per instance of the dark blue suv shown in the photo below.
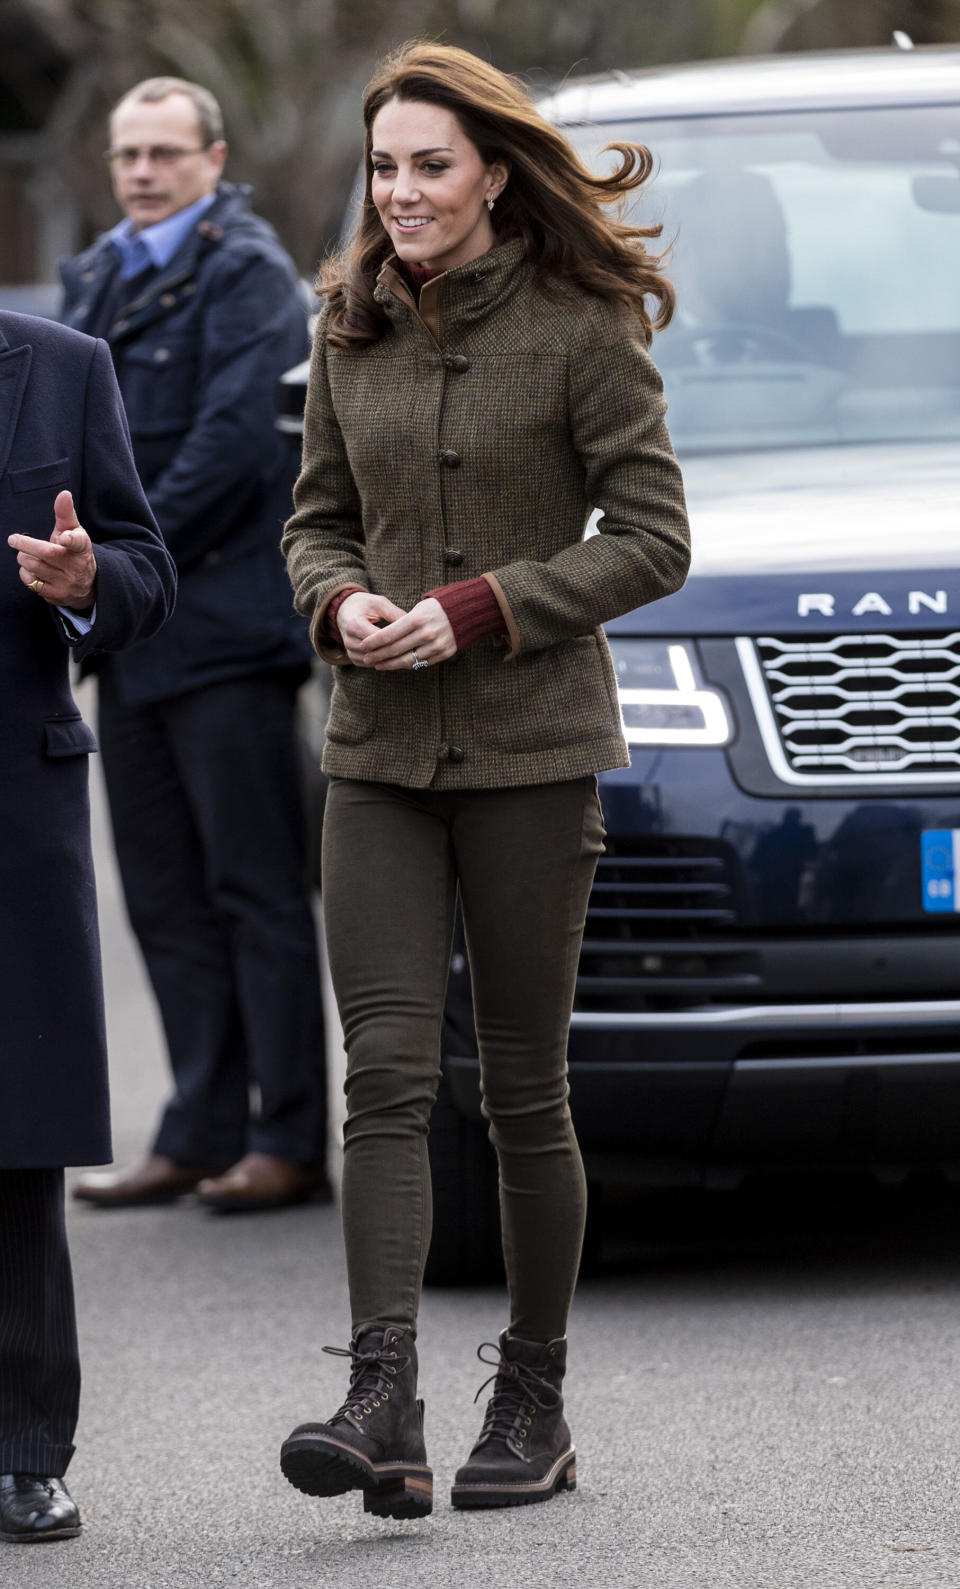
(771, 968)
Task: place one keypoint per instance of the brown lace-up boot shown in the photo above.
(374, 1442)
(524, 1451)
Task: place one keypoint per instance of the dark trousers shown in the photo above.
(39, 1361)
(205, 798)
(523, 860)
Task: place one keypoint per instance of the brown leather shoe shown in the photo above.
(261, 1181)
(154, 1180)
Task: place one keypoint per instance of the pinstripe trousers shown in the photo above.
(39, 1359)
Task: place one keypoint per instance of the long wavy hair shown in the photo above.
(552, 201)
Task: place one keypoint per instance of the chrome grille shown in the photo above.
(865, 706)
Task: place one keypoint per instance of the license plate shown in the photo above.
(940, 856)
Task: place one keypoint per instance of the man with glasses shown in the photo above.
(203, 312)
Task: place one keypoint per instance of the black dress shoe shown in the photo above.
(33, 1508)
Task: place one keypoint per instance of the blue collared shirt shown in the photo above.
(77, 623)
(157, 244)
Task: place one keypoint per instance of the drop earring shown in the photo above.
(490, 203)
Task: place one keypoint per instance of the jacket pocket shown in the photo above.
(68, 736)
(353, 708)
(42, 475)
(558, 697)
(159, 380)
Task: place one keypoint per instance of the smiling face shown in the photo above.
(431, 186)
(148, 190)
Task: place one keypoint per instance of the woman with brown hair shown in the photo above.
(480, 381)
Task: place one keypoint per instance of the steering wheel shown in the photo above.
(730, 342)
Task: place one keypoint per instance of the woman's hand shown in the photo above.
(358, 618)
(425, 632)
(63, 570)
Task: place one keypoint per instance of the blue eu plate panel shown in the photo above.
(940, 855)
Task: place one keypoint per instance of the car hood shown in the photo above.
(857, 537)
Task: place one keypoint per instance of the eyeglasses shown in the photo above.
(159, 154)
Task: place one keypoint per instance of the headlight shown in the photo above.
(662, 699)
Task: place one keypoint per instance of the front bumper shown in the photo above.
(856, 1084)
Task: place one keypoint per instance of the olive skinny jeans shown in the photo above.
(523, 859)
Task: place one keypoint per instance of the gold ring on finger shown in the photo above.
(37, 585)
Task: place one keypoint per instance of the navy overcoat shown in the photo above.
(61, 427)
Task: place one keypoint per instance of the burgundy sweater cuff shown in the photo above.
(472, 609)
(330, 624)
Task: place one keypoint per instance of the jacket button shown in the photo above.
(161, 355)
(450, 458)
(456, 754)
(167, 300)
(458, 363)
(453, 557)
(443, 753)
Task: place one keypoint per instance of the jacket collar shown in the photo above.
(156, 245)
(91, 269)
(460, 296)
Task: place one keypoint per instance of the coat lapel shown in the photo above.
(14, 367)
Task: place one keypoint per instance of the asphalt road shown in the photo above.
(764, 1391)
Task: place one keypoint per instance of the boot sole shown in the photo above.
(562, 1476)
(42, 1539)
(319, 1465)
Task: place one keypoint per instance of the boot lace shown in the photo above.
(372, 1377)
(518, 1392)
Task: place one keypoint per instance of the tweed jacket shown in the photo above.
(474, 439)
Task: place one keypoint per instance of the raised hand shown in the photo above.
(63, 570)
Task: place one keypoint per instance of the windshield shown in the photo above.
(816, 259)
